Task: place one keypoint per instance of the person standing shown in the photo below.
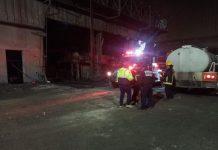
(169, 80)
(124, 78)
(136, 86)
(147, 80)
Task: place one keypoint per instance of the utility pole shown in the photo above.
(92, 46)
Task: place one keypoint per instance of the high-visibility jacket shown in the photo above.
(124, 76)
(169, 77)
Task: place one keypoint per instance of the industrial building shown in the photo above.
(65, 39)
(21, 40)
(78, 39)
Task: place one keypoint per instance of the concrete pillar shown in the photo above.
(99, 44)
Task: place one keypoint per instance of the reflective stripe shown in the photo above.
(168, 82)
(148, 73)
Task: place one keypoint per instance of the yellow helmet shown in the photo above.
(169, 63)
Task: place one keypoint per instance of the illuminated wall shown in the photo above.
(31, 45)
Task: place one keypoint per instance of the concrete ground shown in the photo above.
(60, 117)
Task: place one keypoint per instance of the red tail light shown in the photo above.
(209, 76)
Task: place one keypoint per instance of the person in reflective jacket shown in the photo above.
(169, 80)
(146, 80)
(124, 78)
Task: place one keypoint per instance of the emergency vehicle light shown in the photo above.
(129, 52)
(130, 67)
(136, 53)
(109, 73)
(155, 65)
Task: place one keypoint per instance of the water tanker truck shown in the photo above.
(194, 67)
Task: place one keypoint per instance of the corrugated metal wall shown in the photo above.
(32, 13)
(24, 12)
(29, 15)
(19, 24)
(77, 19)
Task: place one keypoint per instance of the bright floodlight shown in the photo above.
(138, 52)
(140, 49)
(129, 52)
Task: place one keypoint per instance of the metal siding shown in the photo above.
(9, 11)
(3, 14)
(29, 12)
(25, 12)
(32, 13)
(17, 11)
(83, 21)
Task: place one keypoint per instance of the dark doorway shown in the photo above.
(14, 66)
(63, 43)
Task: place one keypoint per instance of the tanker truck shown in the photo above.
(194, 67)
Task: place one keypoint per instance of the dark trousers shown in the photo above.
(135, 94)
(125, 89)
(169, 91)
(146, 96)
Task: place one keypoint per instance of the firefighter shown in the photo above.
(124, 78)
(169, 80)
(147, 80)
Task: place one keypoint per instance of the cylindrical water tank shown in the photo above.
(191, 59)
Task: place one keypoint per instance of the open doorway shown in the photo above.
(66, 46)
(14, 66)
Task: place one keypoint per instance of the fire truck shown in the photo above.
(132, 58)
